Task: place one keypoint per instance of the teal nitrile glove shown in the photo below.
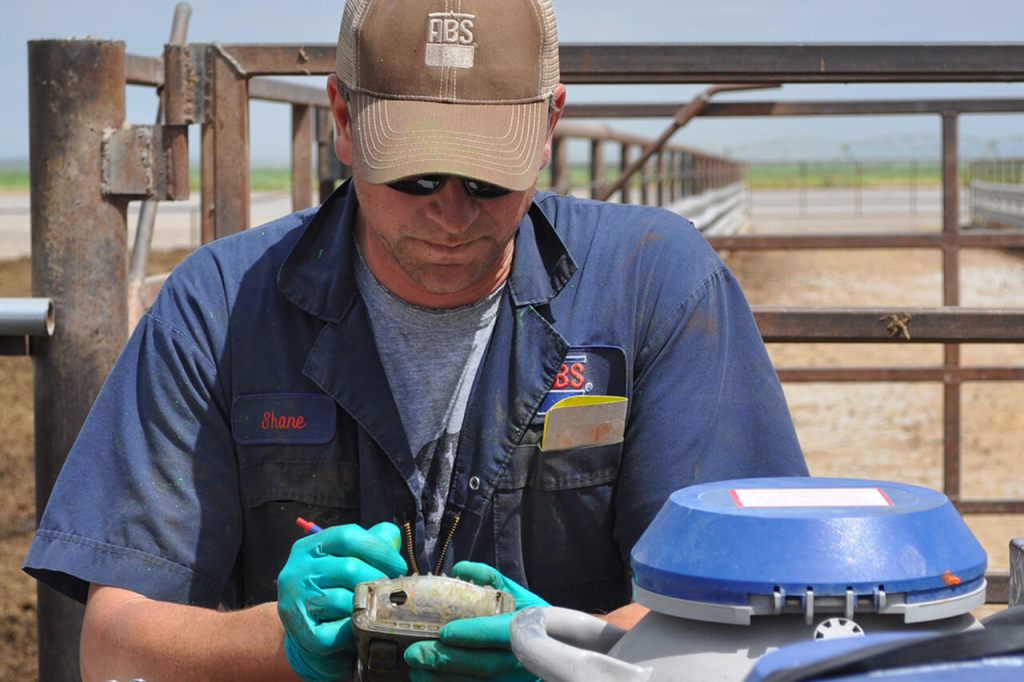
(314, 594)
(474, 648)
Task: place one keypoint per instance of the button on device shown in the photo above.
(474, 483)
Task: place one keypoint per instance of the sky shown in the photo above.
(144, 26)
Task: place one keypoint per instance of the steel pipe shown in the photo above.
(144, 70)
(147, 212)
(804, 108)
(716, 63)
(780, 324)
(79, 260)
(985, 239)
(603, 132)
(805, 375)
(270, 90)
(26, 317)
(224, 163)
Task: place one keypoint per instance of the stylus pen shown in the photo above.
(308, 526)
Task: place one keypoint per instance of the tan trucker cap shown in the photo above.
(458, 87)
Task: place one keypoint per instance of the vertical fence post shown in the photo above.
(225, 149)
(329, 168)
(803, 188)
(596, 167)
(79, 259)
(560, 165)
(675, 173)
(859, 196)
(626, 195)
(951, 297)
(302, 156)
(659, 162)
(913, 187)
(645, 183)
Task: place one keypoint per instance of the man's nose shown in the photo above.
(452, 208)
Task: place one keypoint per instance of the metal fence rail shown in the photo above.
(997, 203)
(719, 211)
(997, 192)
(998, 170)
(672, 173)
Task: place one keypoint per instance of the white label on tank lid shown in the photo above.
(810, 497)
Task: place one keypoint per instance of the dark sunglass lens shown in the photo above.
(419, 186)
(485, 190)
(428, 184)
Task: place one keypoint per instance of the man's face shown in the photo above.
(440, 250)
(443, 249)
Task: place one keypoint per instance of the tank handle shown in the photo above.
(562, 645)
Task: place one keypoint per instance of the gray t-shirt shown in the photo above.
(430, 358)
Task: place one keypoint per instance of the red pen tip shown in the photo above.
(308, 526)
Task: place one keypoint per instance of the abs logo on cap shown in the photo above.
(450, 40)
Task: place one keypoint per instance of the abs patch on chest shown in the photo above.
(587, 370)
(283, 419)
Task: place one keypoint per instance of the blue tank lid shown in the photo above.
(730, 542)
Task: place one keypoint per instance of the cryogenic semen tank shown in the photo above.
(732, 570)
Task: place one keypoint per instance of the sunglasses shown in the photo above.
(430, 184)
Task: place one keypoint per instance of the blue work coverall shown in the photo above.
(252, 393)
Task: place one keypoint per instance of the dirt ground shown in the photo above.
(894, 431)
(17, 480)
(872, 430)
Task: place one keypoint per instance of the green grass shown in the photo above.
(810, 174)
(759, 176)
(260, 179)
(825, 175)
(579, 176)
(14, 180)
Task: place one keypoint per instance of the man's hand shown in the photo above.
(314, 594)
(474, 647)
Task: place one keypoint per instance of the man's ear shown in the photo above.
(342, 122)
(557, 104)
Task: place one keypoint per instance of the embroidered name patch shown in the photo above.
(450, 40)
(586, 370)
(284, 419)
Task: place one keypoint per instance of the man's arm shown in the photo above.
(126, 636)
(707, 404)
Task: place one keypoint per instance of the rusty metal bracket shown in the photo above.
(186, 87)
(146, 161)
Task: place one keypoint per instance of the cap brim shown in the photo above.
(502, 144)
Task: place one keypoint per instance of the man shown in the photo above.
(384, 364)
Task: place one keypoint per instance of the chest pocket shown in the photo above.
(289, 468)
(554, 517)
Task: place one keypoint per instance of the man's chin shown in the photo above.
(458, 289)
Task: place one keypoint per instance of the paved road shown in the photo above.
(177, 223)
(771, 211)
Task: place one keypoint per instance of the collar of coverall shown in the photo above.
(313, 281)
